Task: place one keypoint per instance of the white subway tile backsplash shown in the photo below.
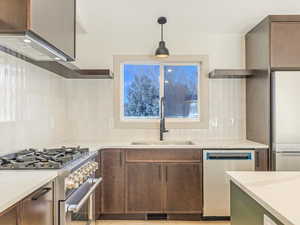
(39, 108)
(32, 105)
(90, 113)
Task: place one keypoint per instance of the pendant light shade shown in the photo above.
(162, 51)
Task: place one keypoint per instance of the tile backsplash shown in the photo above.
(90, 114)
(39, 108)
(32, 105)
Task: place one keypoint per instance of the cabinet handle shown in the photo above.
(40, 194)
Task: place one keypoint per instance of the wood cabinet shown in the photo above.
(183, 188)
(144, 188)
(261, 160)
(274, 44)
(112, 188)
(164, 181)
(285, 48)
(10, 216)
(36, 209)
(155, 181)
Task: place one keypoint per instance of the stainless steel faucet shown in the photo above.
(162, 119)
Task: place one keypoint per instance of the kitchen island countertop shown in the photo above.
(16, 185)
(277, 192)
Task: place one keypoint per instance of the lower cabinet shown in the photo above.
(163, 181)
(261, 160)
(10, 216)
(36, 209)
(183, 188)
(144, 188)
(164, 188)
(112, 187)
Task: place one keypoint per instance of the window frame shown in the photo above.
(201, 122)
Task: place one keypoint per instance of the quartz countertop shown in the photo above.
(227, 144)
(277, 192)
(16, 185)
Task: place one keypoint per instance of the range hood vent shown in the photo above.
(42, 30)
(32, 46)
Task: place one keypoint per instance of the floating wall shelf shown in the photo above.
(231, 74)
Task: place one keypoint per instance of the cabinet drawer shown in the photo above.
(163, 155)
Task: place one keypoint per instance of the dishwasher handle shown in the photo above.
(229, 156)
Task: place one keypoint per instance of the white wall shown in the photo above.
(32, 106)
(50, 110)
(90, 103)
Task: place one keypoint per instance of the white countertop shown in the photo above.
(227, 144)
(16, 185)
(277, 192)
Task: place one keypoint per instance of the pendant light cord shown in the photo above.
(162, 32)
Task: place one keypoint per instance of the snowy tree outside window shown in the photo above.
(144, 84)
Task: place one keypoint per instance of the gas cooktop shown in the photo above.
(55, 158)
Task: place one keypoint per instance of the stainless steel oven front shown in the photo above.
(79, 207)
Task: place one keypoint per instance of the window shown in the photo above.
(145, 84)
(141, 91)
(141, 83)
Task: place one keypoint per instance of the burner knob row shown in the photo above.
(78, 177)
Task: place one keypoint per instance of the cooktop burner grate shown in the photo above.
(55, 158)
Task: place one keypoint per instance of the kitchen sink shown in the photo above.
(163, 143)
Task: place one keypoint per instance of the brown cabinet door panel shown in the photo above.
(183, 188)
(285, 48)
(261, 160)
(9, 217)
(163, 155)
(144, 188)
(38, 208)
(112, 189)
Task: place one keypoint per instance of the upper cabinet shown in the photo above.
(42, 30)
(274, 44)
(285, 44)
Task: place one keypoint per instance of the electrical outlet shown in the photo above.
(268, 221)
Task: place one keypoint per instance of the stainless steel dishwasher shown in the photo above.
(216, 184)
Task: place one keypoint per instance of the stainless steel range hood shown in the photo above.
(42, 30)
(32, 47)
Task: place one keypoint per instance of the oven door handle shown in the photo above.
(77, 207)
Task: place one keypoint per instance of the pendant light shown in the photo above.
(162, 51)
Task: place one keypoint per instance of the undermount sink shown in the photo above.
(163, 143)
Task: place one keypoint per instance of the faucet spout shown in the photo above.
(162, 119)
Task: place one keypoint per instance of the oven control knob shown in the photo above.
(70, 183)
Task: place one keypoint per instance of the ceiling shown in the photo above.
(212, 16)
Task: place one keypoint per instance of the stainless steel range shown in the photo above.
(75, 185)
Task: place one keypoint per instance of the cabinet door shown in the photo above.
(261, 160)
(112, 168)
(144, 188)
(10, 216)
(38, 208)
(285, 48)
(183, 188)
